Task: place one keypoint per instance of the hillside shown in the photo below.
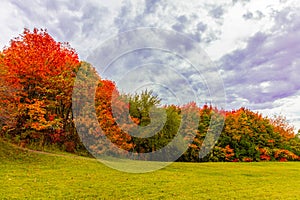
(10, 153)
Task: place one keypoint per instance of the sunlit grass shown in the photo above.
(31, 175)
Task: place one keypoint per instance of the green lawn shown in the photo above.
(37, 176)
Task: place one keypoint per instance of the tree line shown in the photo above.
(38, 109)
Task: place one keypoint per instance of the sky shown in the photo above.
(253, 44)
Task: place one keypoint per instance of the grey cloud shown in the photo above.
(217, 12)
(257, 15)
(22, 6)
(201, 27)
(164, 14)
(51, 5)
(240, 1)
(151, 6)
(272, 58)
(248, 15)
(182, 19)
(178, 27)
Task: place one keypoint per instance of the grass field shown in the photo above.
(28, 175)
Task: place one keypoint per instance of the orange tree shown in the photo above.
(97, 106)
(43, 71)
(255, 138)
(8, 99)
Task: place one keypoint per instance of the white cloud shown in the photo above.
(287, 107)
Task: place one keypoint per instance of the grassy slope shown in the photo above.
(31, 175)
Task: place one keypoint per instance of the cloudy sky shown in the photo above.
(254, 44)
